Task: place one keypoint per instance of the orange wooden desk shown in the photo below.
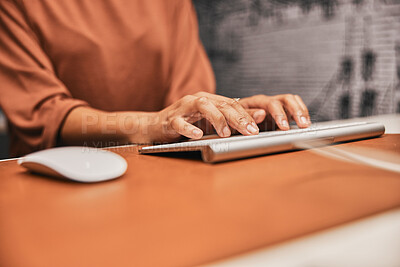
(181, 212)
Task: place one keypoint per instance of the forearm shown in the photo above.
(85, 125)
(89, 126)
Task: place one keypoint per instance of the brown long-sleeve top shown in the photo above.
(114, 55)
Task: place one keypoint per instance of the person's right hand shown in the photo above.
(222, 112)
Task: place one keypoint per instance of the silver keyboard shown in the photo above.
(196, 143)
(214, 148)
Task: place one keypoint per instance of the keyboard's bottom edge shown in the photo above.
(209, 155)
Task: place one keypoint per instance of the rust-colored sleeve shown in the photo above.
(191, 68)
(33, 99)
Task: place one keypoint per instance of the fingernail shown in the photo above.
(252, 129)
(196, 132)
(284, 123)
(226, 131)
(303, 120)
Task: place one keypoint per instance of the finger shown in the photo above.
(257, 114)
(181, 126)
(295, 110)
(304, 107)
(277, 112)
(213, 115)
(237, 117)
(252, 128)
(272, 105)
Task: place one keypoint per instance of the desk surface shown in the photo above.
(176, 212)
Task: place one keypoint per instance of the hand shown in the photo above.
(84, 125)
(223, 113)
(279, 109)
(226, 113)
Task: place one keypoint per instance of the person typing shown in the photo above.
(79, 71)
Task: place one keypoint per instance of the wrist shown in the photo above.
(139, 127)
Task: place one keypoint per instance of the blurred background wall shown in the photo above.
(341, 56)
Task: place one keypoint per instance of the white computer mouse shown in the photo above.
(82, 164)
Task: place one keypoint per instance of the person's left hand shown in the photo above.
(271, 112)
(279, 110)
